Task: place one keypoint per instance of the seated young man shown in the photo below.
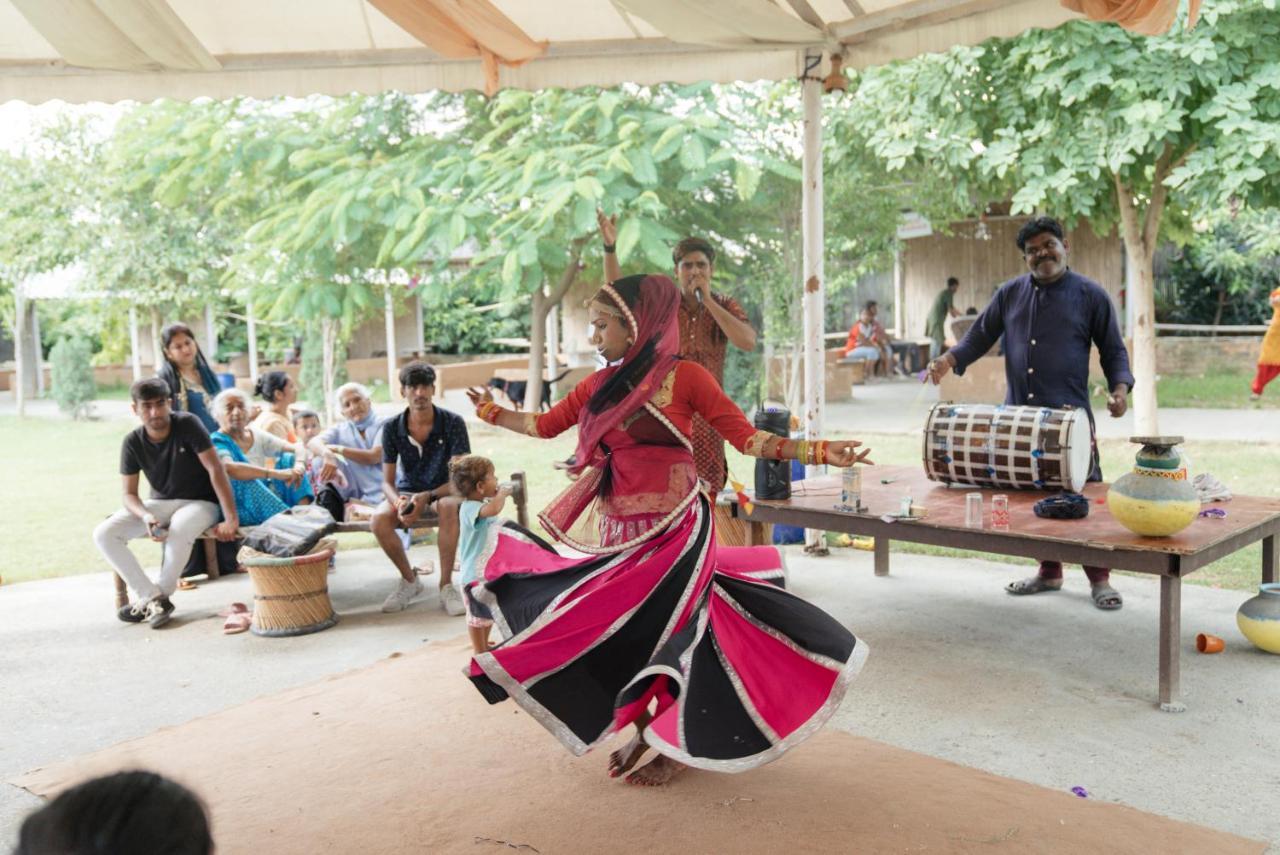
(867, 340)
(421, 440)
(189, 493)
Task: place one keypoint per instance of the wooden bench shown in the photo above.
(519, 496)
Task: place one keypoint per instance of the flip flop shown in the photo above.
(237, 623)
(1101, 593)
(1031, 585)
(186, 585)
(234, 609)
(426, 569)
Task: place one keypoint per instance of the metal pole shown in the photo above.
(899, 296)
(19, 352)
(210, 333)
(812, 230)
(392, 383)
(553, 347)
(135, 344)
(251, 321)
(422, 328)
(37, 349)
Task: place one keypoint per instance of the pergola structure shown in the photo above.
(112, 50)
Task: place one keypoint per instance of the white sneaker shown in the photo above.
(400, 598)
(451, 600)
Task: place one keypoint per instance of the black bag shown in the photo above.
(292, 532)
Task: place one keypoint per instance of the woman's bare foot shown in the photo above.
(658, 771)
(622, 760)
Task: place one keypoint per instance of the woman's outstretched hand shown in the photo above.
(479, 395)
(844, 452)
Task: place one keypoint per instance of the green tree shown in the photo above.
(71, 374)
(1088, 120)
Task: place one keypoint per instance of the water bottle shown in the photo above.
(851, 489)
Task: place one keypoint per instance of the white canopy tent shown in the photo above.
(112, 50)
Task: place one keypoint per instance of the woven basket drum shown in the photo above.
(291, 595)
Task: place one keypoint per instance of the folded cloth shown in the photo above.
(1210, 489)
(1064, 506)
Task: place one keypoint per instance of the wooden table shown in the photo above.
(1097, 540)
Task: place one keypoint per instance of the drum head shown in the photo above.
(1079, 451)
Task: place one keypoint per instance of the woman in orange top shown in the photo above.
(1269, 358)
(695, 644)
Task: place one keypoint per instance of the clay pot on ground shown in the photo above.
(1259, 618)
(1157, 498)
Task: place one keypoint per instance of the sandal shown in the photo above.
(1106, 598)
(1033, 585)
(237, 622)
(426, 569)
(186, 585)
(234, 609)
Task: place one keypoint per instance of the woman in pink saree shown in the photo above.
(652, 624)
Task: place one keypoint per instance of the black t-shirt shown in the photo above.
(172, 467)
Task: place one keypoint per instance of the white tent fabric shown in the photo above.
(112, 50)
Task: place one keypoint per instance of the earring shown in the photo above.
(630, 342)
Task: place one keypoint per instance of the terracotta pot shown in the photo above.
(1157, 498)
(1259, 618)
(1207, 643)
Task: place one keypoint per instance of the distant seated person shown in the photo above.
(189, 493)
(350, 457)
(867, 340)
(140, 813)
(262, 489)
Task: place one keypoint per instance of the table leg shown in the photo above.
(1269, 573)
(756, 534)
(1170, 632)
(122, 592)
(882, 556)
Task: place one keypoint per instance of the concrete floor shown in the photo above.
(1044, 689)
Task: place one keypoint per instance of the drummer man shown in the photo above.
(1049, 317)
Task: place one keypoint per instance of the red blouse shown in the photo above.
(688, 389)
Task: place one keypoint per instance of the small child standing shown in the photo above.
(306, 424)
(473, 478)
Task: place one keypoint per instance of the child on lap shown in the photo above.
(474, 479)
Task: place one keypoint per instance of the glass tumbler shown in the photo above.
(1000, 512)
(973, 510)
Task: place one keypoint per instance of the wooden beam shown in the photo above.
(806, 13)
(915, 13)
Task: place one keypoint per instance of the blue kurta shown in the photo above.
(1047, 331)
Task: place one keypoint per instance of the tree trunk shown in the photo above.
(543, 301)
(157, 348)
(1222, 303)
(20, 356)
(1140, 230)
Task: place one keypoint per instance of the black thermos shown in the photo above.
(773, 477)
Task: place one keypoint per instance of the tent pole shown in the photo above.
(135, 345)
(37, 349)
(19, 352)
(812, 231)
(251, 321)
(392, 383)
(210, 333)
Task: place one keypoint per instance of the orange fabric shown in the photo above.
(460, 30)
(1145, 17)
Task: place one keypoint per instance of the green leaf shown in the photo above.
(746, 179)
(511, 268)
(628, 237)
(589, 188)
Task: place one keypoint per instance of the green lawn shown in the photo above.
(1214, 390)
(61, 480)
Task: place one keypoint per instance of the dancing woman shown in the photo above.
(696, 645)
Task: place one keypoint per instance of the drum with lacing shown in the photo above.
(998, 445)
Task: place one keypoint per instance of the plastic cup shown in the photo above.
(1000, 512)
(973, 510)
(1206, 643)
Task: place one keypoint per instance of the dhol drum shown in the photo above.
(997, 445)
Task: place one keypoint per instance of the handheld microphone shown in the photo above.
(698, 296)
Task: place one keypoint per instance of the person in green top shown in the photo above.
(936, 326)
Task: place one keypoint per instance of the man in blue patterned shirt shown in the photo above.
(417, 446)
(1050, 317)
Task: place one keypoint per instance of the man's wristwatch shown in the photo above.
(609, 248)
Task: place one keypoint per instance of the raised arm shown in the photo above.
(708, 400)
(609, 237)
(554, 422)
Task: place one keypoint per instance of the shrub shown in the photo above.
(72, 376)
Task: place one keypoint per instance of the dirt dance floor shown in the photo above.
(404, 756)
